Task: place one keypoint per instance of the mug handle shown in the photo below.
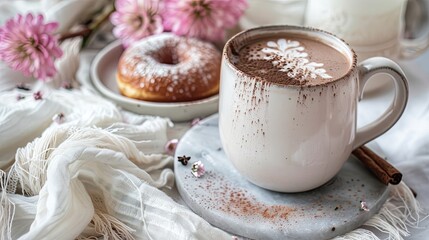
(367, 69)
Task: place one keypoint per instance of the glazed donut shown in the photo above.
(169, 68)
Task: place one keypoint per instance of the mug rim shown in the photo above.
(266, 28)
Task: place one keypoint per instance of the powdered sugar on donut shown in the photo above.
(289, 56)
(178, 67)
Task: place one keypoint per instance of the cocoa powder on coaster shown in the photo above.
(239, 202)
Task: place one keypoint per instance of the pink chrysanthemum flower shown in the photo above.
(204, 19)
(136, 19)
(28, 45)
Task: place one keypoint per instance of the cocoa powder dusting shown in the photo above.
(256, 68)
(239, 202)
(268, 60)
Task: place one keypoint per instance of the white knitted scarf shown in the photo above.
(99, 174)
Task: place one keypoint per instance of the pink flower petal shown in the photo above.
(170, 146)
(198, 169)
(205, 19)
(136, 19)
(27, 45)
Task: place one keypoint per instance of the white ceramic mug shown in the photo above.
(298, 137)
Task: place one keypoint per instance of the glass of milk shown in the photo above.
(371, 27)
(273, 12)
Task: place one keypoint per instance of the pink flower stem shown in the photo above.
(93, 25)
(81, 33)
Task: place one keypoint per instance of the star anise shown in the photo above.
(184, 159)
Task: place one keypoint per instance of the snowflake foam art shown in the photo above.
(290, 57)
(136, 19)
(204, 19)
(28, 45)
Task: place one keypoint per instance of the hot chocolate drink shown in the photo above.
(292, 60)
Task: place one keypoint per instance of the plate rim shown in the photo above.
(108, 93)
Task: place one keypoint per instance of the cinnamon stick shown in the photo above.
(394, 173)
(383, 170)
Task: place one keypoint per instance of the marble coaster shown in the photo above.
(230, 202)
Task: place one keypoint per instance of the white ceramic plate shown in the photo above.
(103, 76)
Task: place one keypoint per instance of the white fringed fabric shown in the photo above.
(6, 209)
(92, 176)
(100, 175)
(400, 212)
